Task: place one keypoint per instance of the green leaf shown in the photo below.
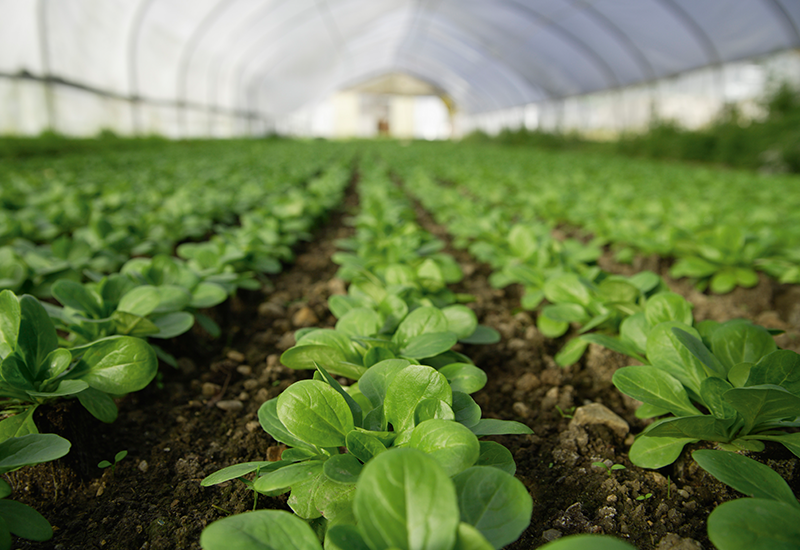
(18, 425)
(745, 475)
(790, 441)
(99, 404)
(10, 316)
(117, 365)
(428, 344)
(142, 300)
(704, 427)
(738, 374)
(77, 297)
(268, 418)
(781, 368)
(429, 409)
(496, 455)
(469, 538)
(393, 309)
(344, 537)
(588, 542)
(654, 387)
(239, 470)
(740, 341)
(667, 353)
(464, 377)
(711, 391)
(700, 351)
(566, 288)
(37, 335)
(566, 313)
(465, 410)
(491, 426)
(633, 331)
(410, 386)
(495, 502)
(668, 306)
(207, 294)
(31, 449)
(24, 521)
(453, 446)
(133, 325)
(422, 320)
(724, 280)
(376, 380)
(172, 324)
(460, 320)
(64, 388)
(754, 524)
(482, 335)
(56, 362)
(364, 446)
(656, 452)
(649, 411)
(404, 499)
(551, 328)
(571, 352)
(355, 408)
(288, 476)
(759, 404)
(260, 530)
(360, 321)
(342, 468)
(315, 413)
(331, 359)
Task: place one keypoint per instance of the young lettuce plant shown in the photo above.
(733, 370)
(769, 520)
(35, 370)
(15, 453)
(404, 498)
(332, 432)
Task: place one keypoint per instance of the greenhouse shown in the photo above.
(395, 274)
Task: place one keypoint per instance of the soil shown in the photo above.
(202, 417)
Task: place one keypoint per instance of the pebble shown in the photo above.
(237, 356)
(672, 541)
(210, 389)
(267, 309)
(244, 396)
(251, 384)
(273, 360)
(244, 370)
(595, 413)
(521, 409)
(551, 534)
(274, 453)
(528, 382)
(337, 286)
(304, 317)
(262, 395)
(230, 405)
(252, 426)
(143, 466)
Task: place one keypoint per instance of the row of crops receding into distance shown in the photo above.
(274, 344)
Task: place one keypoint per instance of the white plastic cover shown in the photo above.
(232, 66)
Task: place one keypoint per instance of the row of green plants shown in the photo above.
(721, 227)
(394, 459)
(87, 341)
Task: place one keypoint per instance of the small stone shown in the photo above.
(230, 405)
(273, 360)
(528, 382)
(271, 309)
(337, 286)
(252, 426)
(516, 344)
(683, 493)
(672, 541)
(521, 409)
(143, 466)
(210, 389)
(244, 370)
(251, 384)
(100, 491)
(551, 534)
(595, 413)
(304, 317)
(286, 341)
(244, 396)
(274, 453)
(237, 356)
(262, 395)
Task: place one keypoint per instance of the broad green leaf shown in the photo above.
(376, 380)
(453, 446)
(288, 476)
(315, 413)
(142, 300)
(740, 341)
(364, 446)
(268, 418)
(759, 404)
(703, 427)
(571, 352)
(656, 452)
(172, 324)
(339, 305)
(781, 368)
(18, 425)
(654, 387)
(329, 337)
(360, 321)
(482, 335)
(355, 408)
(10, 316)
(469, 538)
(429, 409)
(207, 294)
(566, 288)
(551, 328)
(99, 404)
(464, 377)
(494, 502)
(491, 426)
(334, 500)
(618, 290)
(460, 320)
(31, 449)
(466, 411)
(692, 266)
(738, 374)
(37, 335)
(117, 365)
(588, 542)
(724, 280)
(422, 320)
(344, 537)
(393, 309)
(342, 468)
(701, 352)
(428, 344)
(56, 362)
(64, 388)
(239, 470)
(649, 411)
(260, 530)
(711, 391)
(410, 386)
(405, 500)
(633, 330)
(566, 313)
(5, 488)
(375, 355)
(494, 454)
(668, 306)
(745, 475)
(24, 521)
(171, 298)
(130, 324)
(754, 524)
(77, 297)
(645, 281)
(14, 372)
(790, 441)
(331, 359)
(666, 352)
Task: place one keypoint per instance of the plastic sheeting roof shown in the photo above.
(274, 56)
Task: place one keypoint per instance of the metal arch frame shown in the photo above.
(779, 10)
(594, 57)
(695, 29)
(134, 34)
(185, 59)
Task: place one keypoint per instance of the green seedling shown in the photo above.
(608, 469)
(106, 464)
(566, 414)
(644, 497)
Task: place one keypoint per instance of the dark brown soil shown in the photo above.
(176, 433)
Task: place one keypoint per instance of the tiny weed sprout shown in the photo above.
(106, 464)
(608, 469)
(565, 414)
(644, 497)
